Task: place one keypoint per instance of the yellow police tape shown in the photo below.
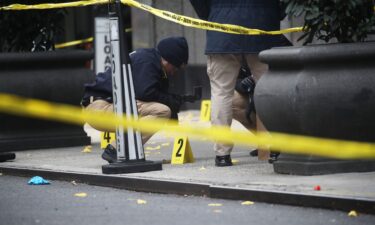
(276, 141)
(78, 42)
(180, 19)
(54, 5)
(73, 43)
(202, 24)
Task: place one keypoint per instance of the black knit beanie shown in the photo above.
(175, 50)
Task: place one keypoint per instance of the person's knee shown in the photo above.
(164, 111)
(99, 106)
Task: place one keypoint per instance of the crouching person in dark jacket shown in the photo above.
(150, 70)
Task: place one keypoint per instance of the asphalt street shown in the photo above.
(74, 203)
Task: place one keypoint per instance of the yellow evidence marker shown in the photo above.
(182, 151)
(106, 138)
(205, 111)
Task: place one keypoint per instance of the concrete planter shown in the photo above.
(56, 76)
(323, 91)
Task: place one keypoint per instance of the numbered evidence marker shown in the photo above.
(182, 151)
(205, 111)
(107, 138)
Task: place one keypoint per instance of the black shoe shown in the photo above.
(254, 153)
(273, 157)
(223, 161)
(110, 154)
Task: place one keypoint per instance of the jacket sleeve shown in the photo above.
(101, 87)
(202, 8)
(149, 86)
(172, 101)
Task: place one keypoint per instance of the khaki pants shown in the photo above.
(222, 70)
(146, 111)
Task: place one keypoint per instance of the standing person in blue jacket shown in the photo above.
(225, 53)
(150, 70)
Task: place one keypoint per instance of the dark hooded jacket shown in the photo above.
(258, 14)
(149, 80)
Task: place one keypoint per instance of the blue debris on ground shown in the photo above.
(38, 181)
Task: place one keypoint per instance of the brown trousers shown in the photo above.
(146, 111)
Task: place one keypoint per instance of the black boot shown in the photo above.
(254, 153)
(273, 157)
(110, 154)
(223, 161)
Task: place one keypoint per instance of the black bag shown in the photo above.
(245, 81)
(245, 85)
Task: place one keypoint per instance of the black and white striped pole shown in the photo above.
(130, 153)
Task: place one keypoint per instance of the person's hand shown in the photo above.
(175, 103)
(248, 84)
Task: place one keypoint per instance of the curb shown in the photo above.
(199, 189)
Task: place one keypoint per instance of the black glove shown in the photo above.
(175, 103)
(246, 85)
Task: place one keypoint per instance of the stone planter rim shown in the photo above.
(335, 53)
(57, 56)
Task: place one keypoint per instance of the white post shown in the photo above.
(130, 153)
(102, 44)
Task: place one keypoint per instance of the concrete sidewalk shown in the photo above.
(248, 179)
